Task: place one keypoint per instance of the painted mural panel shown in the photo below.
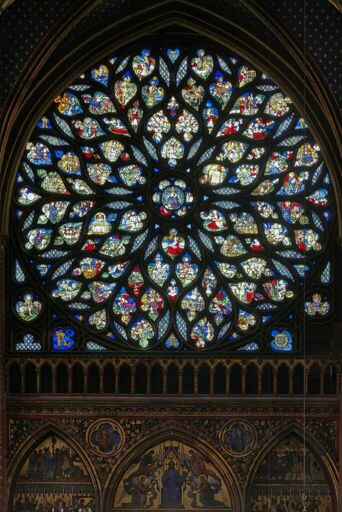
(172, 476)
(290, 479)
(53, 478)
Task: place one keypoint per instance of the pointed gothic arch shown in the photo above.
(294, 431)
(175, 438)
(32, 444)
(48, 75)
(323, 122)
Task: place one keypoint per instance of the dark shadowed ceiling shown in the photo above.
(23, 23)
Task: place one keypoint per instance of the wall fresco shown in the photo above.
(238, 438)
(172, 476)
(105, 437)
(290, 479)
(53, 478)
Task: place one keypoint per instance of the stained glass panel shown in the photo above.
(169, 200)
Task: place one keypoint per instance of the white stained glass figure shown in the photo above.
(99, 225)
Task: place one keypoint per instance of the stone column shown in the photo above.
(275, 380)
(180, 379)
(117, 375)
(148, 380)
(291, 381)
(54, 379)
(133, 375)
(3, 337)
(259, 377)
(164, 370)
(196, 372)
(212, 381)
(244, 375)
(38, 379)
(339, 434)
(69, 379)
(101, 379)
(227, 381)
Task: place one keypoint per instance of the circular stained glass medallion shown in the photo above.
(171, 198)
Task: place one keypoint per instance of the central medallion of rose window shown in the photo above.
(172, 198)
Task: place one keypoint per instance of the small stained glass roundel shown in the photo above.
(169, 198)
(173, 197)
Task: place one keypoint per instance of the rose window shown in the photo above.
(169, 199)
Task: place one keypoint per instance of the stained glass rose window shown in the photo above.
(169, 198)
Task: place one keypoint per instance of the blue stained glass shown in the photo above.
(120, 191)
(326, 274)
(224, 65)
(301, 124)
(54, 141)
(44, 122)
(19, 178)
(317, 221)
(206, 240)
(92, 346)
(28, 221)
(181, 73)
(302, 269)
(118, 205)
(63, 339)
(28, 171)
(206, 155)
(317, 173)
(327, 180)
(223, 331)
(151, 247)
(100, 74)
(317, 305)
(28, 344)
(54, 253)
(139, 240)
(282, 269)
(281, 340)
(253, 346)
(151, 149)
(19, 273)
(79, 87)
(164, 71)
(139, 156)
(62, 269)
(93, 217)
(194, 148)
(172, 343)
(291, 141)
(226, 191)
(182, 327)
(123, 64)
(266, 307)
(267, 88)
(78, 305)
(63, 125)
(194, 247)
(227, 205)
(163, 324)
(120, 330)
(291, 254)
(283, 126)
(173, 54)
